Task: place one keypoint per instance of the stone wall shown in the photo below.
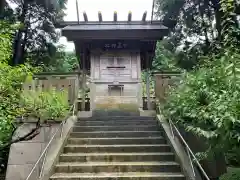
(23, 155)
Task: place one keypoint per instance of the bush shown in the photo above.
(207, 103)
(51, 105)
(56, 105)
(11, 80)
(231, 175)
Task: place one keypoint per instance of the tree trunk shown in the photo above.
(204, 24)
(17, 52)
(218, 17)
(2, 6)
(209, 14)
(27, 24)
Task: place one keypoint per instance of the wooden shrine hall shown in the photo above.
(115, 53)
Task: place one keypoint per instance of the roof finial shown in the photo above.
(77, 11)
(100, 16)
(129, 16)
(85, 16)
(144, 16)
(115, 16)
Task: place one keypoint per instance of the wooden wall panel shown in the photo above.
(134, 65)
(128, 76)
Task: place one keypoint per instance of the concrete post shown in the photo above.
(33, 84)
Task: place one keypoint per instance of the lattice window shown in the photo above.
(115, 90)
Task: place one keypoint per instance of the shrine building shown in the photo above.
(114, 53)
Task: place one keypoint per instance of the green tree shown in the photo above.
(164, 59)
(11, 80)
(207, 102)
(196, 27)
(37, 33)
(61, 61)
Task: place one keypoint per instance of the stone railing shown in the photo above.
(69, 82)
(163, 81)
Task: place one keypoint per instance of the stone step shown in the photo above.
(123, 140)
(118, 176)
(116, 128)
(97, 167)
(109, 134)
(113, 113)
(116, 123)
(107, 118)
(116, 157)
(117, 148)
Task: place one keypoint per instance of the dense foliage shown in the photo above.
(11, 80)
(165, 59)
(28, 35)
(36, 37)
(61, 61)
(196, 28)
(232, 175)
(50, 105)
(206, 102)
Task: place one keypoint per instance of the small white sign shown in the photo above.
(115, 82)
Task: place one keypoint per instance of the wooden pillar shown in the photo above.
(140, 84)
(92, 96)
(147, 76)
(83, 79)
(92, 85)
(140, 96)
(76, 87)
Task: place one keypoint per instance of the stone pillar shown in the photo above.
(50, 79)
(40, 84)
(33, 84)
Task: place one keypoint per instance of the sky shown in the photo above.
(107, 8)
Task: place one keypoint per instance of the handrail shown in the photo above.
(44, 153)
(189, 151)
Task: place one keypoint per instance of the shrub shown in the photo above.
(231, 175)
(51, 105)
(56, 105)
(207, 103)
(11, 80)
(33, 103)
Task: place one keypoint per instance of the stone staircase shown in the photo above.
(124, 148)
